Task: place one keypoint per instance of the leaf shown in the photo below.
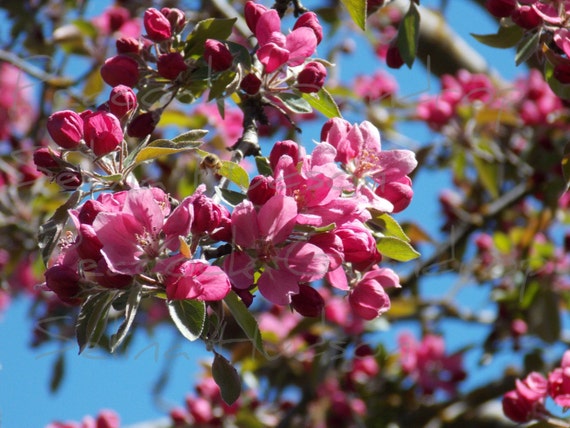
(92, 319)
(212, 28)
(357, 10)
(235, 173)
(57, 373)
(324, 103)
(488, 174)
(150, 94)
(227, 378)
(560, 89)
(294, 103)
(490, 115)
(49, 231)
(506, 37)
(223, 85)
(240, 53)
(181, 119)
(245, 320)
(544, 316)
(408, 35)
(396, 249)
(527, 47)
(231, 197)
(94, 85)
(162, 147)
(189, 316)
(194, 135)
(263, 166)
(388, 226)
(133, 303)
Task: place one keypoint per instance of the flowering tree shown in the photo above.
(167, 182)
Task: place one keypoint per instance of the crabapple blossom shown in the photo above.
(217, 55)
(526, 401)
(170, 65)
(103, 132)
(66, 129)
(368, 297)
(122, 100)
(120, 70)
(157, 26)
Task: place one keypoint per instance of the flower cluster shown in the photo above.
(527, 401)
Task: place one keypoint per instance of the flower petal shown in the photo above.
(277, 218)
(278, 286)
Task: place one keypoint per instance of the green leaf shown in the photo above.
(227, 378)
(388, 226)
(560, 89)
(240, 53)
(92, 318)
(245, 320)
(357, 10)
(294, 103)
(235, 173)
(189, 316)
(544, 316)
(324, 103)
(396, 249)
(50, 231)
(162, 147)
(133, 303)
(231, 197)
(488, 174)
(57, 373)
(194, 135)
(212, 28)
(150, 94)
(527, 47)
(222, 85)
(263, 166)
(408, 35)
(506, 37)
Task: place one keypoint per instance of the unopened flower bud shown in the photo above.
(312, 77)
(398, 192)
(368, 299)
(107, 419)
(252, 12)
(103, 132)
(46, 161)
(393, 57)
(66, 129)
(122, 100)
(310, 20)
(250, 84)
(217, 55)
(170, 65)
(176, 18)
(64, 282)
(526, 17)
(285, 147)
(562, 73)
(143, 124)
(117, 16)
(261, 189)
(501, 8)
(120, 70)
(69, 180)
(89, 211)
(308, 302)
(157, 26)
(126, 45)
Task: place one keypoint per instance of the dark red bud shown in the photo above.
(120, 70)
(143, 124)
(308, 302)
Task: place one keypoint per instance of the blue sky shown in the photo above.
(95, 380)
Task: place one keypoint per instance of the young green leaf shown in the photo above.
(245, 320)
(133, 303)
(506, 37)
(324, 103)
(396, 249)
(527, 47)
(408, 35)
(189, 316)
(92, 318)
(357, 10)
(235, 173)
(227, 378)
(294, 103)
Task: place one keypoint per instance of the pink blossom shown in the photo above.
(16, 110)
(103, 132)
(368, 297)
(377, 86)
(157, 26)
(359, 246)
(559, 382)
(262, 240)
(65, 127)
(526, 401)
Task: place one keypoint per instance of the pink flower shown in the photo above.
(108, 419)
(157, 26)
(368, 297)
(359, 245)
(377, 86)
(428, 365)
(16, 110)
(103, 132)
(399, 192)
(310, 20)
(217, 55)
(526, 401)
(261, 238)
(312, 77)
(66, 129)
(559, 382)
(194, 279)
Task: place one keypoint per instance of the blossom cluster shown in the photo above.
(527, 401)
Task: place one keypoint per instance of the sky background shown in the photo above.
(96, 380)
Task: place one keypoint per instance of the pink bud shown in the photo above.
(526, 17)
(359, 245)
(393, 57)
(207, 215)
(516, 407)
(46, 161)
(120, 70)
(312, 77)
(250, 84)
(286, 147)
(252, 12)
(562, 72)
(103, 132)
(308, 302)
(310, 20)
(217, 55)
(122, 100)
(89, 211)
(261, 189)
(170, 65)
(126, 45)
(176, 18)
(64, 282)
(399, 192)
(501, 8)
(108, 419)
(117, 16)
(368, 299)
(157, 26)
(66, 129)
(88, 245)
(69, 180)
(143, 124)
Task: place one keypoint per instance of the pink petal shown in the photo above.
(395, 164)
(215, 284)
(244, 225)
(240, 268)
(267, 24)
(337, 278)
(272, 57)
(278, 286)
(142, 205)
(305, 261)
(301, 44)
(370, 137)
(277, 218)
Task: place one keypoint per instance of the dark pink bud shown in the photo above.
(117, 16)
(46, 161)
(308, 302)
(143, 124)
(310, 20)
(66, 129)
(399, 192)
(107, 419)
(252, 12)
(69, 180)
(157, 26)
(516, 407)
(250, 84)
(88, 245)
(526, 17)
(126, 45)
(103, 132)
(518, 327)
(312, 77)
(261, 189)
(501, 8)
(217, 55)
(170, 65)
(562, 72)
(341, 127)
(368, 299)
(122, 100)
(89, 211)
(393, 57)
(179, 417)
(64, 282)
(108, 279)
(176, 18)
(207, 215)
(286, 147)
(120, 70)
